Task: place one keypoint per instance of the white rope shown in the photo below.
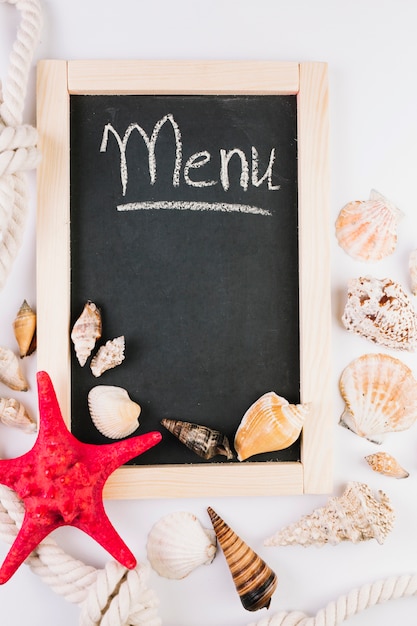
(18, 150)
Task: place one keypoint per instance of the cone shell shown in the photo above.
(254, 580)
(24, 327)
(381, 311)
(412, 265)
(178, 543)
(108, 356)
(13, 413)
(380, 393)
(10, 371)
(112, 411)
(270, 424)
(385, 464)
(86, 331)
(367, 229)
(355, 516)
(204, 441)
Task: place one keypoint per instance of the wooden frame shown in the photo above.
(57, 80)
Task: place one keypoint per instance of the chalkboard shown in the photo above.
(184, 226)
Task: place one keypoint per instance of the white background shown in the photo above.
(371, 49)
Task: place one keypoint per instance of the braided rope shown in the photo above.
(18, 150)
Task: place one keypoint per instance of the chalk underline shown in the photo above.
(193, 206)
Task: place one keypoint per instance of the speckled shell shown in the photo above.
(380, 394)
(178, 543)
(24, 327)
(86, 331)
(355, 516)
(384, 463)
(412, 266)
(112, 411)
(13, 413)
(204, 441)
(10, 371)
(254, 580)
(367, 229)
(270, 424)
(379, 310)
(108, 356)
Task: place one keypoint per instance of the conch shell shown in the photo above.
(270, 424)
(380, 393)
(202, 440)
(254, 580)
(412, 266)
(13, 413)
(108, 356)
(355, 516)
(86, 331)
(10, 371)
(178, 543)
(367, 229)
(381, 311)
(24, 327)
(112, 411)
(385, 464)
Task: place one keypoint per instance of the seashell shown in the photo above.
(367, 229)
(10, 371)
(24, 327)
(108, 356)
(86, 331)
(385, 464)
(254, 580)
(13, 413)
(270, 424)
(113, 413)
(178, 543)
(412, 266)
(380, 393)
(202, 440)
(382, 312)
(355, 516)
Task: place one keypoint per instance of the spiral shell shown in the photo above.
(254, 580)
(13, 413)
(178, 543)
(24, 327)
(270, 424)
(384, 463)
(380, 394)
(202, 440)
(86, 331)
(112, 411)
(108, 356)
(10, 371)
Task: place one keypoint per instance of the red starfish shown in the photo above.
(60, 481)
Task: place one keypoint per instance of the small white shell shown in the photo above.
(178, 543)
(108, 356)
(113, 413)
(384, 463)
(10, 371)
(412, 265)
(86, 331)
(13, 413)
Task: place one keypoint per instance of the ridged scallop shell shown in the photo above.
(86, 331)
(254, 580)
(380, 394)
(270, 424)
(385, 464)
(178, 543)
(24, 327)
(113, 413)
(108, 356)
(412, 266)
(381, 311)
(355, 516)
(204, 441)
(10, 371)
(367, 229)
(13, 413)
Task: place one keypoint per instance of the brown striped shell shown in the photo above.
(204, 441)
(24, 327)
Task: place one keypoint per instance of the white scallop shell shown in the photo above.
(10, 371)
(108, 356)
(178, 543)
(113, 413)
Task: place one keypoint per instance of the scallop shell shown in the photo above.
(178, 543)
(10, 371)
(385, 464)
(355, 516)
(108, 356)
(367, 229)
(86, 331)
(270, 424)
(202, 440)
(24, 327)
(380, 393)
(412, 265)
(254, 580)
(381, 311)
(13, 413)
(113, 413)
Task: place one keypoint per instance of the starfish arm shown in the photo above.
(113, 455)
(49, 409)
